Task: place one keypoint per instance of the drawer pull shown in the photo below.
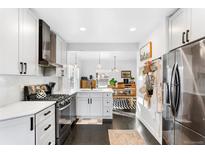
(45, 114)
(45, 129)
(49, 143)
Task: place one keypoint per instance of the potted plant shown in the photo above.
(113, 82)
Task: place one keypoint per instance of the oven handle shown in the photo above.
(60, 109)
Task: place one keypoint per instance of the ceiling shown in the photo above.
(108, 55)
(104, 25)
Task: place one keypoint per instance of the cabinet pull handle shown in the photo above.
(88, 101)
(21, 67)
(25, 65)
(45, 114)
(49, 143)
(183, 34)
(91, 101)
(62, 72)
(31, 123)
(45, 129)
(187, 35)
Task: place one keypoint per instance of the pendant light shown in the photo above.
(115, 68)
(99, 66)
(76, 61)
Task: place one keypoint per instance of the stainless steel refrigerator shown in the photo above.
(184, 95)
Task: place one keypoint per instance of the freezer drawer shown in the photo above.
(186, 136)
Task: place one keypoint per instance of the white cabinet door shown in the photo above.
(58, 50)
(64, 55)
(96, 107)
(59, 72)
(82, 107)
(178, 25)
(28, 41)
(9, 63)
(198, 23)
(64, 58)
(18, 131)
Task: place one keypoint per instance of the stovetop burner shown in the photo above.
(52, 97)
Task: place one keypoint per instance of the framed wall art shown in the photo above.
(146, 51)
(126, 74)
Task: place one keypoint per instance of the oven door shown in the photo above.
(63, 123)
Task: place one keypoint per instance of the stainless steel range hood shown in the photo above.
(47, 46)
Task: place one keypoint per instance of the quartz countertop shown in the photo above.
(106, 90)
(23, 108)
(65, 92)
(103, 90)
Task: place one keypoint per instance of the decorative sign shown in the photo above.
(146, 51)
(125, 74)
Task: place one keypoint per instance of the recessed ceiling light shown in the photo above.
(133, 29)
(82, 29)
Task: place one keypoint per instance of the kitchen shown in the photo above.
(57, 86)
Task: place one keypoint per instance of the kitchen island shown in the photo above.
(94, 103)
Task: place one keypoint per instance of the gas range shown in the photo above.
(61, 99)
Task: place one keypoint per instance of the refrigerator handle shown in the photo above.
(171, 87)
(178, 88)
(166, 86)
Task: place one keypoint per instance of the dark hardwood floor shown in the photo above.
(98, 134)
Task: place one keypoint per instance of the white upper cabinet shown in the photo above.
(58, 50)
(64, 54)
(18, 37)
(9, 63)
(179, 28)
(60, 56)
(28, 29)
(198, 23)
(186, 25)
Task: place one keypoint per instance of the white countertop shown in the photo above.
(103, 90)
(65, 92)
(23, 108)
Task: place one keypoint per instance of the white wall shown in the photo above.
(151, 119)
(88, 67)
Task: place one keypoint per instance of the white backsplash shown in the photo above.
(11, 87)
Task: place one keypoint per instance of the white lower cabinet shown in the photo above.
(91, 104)
(29, 130)
(19, 131)
(45, 127)
(107, 105)
(82, 107)
(96, 107)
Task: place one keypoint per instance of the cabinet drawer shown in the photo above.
(45, 114)
(83, 94)
(108, 102)
(45, 129)
(48, 139)
(107, 111)
(105, 95)
(95, 95)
